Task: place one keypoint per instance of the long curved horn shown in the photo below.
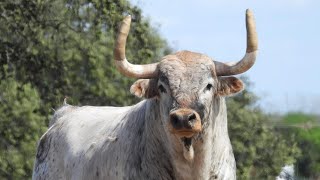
(233, 68)
(147, 71)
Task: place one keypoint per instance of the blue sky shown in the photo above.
(286, 75)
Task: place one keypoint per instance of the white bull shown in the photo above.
(178, 132)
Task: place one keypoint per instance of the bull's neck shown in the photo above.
(223, 162)
(213, 156)
(154, 144)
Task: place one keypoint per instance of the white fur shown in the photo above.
(188, 154)
(102, 142)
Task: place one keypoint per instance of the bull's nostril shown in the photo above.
(174, 120)
(192, 117)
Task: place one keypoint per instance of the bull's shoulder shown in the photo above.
(68, 112)
(79, 125)
(66, 108)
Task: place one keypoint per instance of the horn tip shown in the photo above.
(248, 11)
(127, 18)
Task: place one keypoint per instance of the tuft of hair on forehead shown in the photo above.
(188, 57)
(185, 68)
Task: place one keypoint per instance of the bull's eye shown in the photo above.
(162, 89)
(208, 87)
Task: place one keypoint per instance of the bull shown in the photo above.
(178, 132)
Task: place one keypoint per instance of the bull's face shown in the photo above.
(185, 84)
(184, 89)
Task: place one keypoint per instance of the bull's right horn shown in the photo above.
(238, 67)
(147, 71)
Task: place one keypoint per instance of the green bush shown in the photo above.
(20, 128)
(307, 131)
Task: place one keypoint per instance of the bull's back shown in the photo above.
(74, 137)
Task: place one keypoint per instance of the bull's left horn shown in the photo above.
(233, 68)
(131, 70)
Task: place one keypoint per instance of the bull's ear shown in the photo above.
(229, 85)
(144, 88)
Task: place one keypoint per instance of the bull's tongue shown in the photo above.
(188, 152)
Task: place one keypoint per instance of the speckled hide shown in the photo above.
(134, 142)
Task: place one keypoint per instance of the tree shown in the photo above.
(306, 129)
(20, 128)
(59, 45)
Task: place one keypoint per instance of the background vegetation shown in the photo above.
(52, 49)
(306, 129)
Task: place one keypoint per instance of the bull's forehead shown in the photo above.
(186, 71)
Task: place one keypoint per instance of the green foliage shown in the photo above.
(296, 118)
(260, 152)
(60, 45)
(309, 164)
(307, 131)
(312, 135)
(20, 127)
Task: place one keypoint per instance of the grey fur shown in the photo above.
(134, 142)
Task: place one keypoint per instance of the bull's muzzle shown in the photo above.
(185, 122)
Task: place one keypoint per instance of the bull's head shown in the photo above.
(186, 83)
